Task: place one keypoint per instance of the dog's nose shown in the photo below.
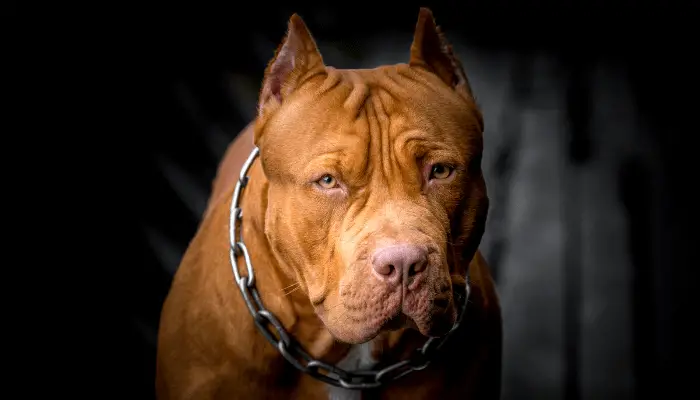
(399, 261)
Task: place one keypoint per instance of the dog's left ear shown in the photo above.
(431, 50)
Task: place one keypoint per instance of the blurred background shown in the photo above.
(589, 115)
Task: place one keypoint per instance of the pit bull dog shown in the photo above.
(337, 258)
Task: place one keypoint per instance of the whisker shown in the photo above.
(294, 289)
(290, 286)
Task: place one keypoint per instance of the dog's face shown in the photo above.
(376, 199)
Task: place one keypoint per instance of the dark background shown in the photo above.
(590, 118)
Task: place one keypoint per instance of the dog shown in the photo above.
(338, 254)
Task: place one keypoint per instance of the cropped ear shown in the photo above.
(431, 50)
(296, 59)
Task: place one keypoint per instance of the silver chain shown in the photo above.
(290, 349)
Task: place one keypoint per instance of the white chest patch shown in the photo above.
(359, 357)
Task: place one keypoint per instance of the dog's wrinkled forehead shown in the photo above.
(349, 109)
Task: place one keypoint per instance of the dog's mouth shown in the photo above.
(432, 317)
(361, 309)
(435, 323)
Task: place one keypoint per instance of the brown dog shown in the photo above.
(360, 221)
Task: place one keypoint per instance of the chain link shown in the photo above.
(271, 328)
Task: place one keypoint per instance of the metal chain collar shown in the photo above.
(293, 351)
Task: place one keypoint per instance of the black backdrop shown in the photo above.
(173, 105)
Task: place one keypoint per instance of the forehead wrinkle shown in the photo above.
(359, 92)
(395, 84)
(383, 146)
(439, 128)
(343, 143)
(345, 156)
(409, 90)
(445, 103)
(412, 141)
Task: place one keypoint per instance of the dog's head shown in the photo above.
(376, 200)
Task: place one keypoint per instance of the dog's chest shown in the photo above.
(359, 356)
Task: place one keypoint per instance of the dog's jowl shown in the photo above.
(338, 256)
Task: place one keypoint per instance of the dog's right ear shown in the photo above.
(296, 59)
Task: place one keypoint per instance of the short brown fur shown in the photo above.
(375, 129)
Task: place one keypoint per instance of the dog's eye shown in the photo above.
(441, 171)
(327, 182)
